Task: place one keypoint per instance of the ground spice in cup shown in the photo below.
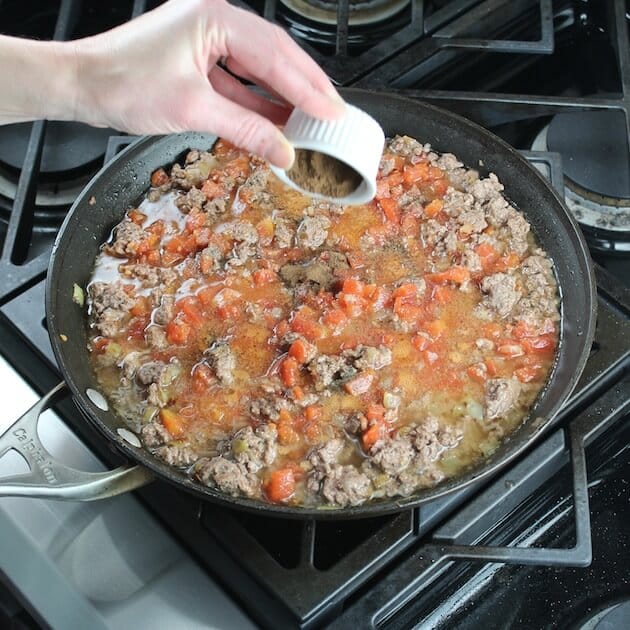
(323, 174)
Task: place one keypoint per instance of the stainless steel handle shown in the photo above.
(48, 477)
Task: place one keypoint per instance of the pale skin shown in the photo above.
(159, 74)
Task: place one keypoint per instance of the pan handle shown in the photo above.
(48, 477)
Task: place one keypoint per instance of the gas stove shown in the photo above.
(543, 544)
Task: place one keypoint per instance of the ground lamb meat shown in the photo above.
(472, 261)
(165, 312)
(430, 439)
(177, 454)
(150, 372)
(221, 359)
(501, 293)
(313, 231)
(324, 457)
(194, 198)
(266, 408)
(406, 146)
(487, 189)
(345, 485)
(283, 234)
(386, 166)
(519, 229)
(110, 305)
(148, 275)
(315, 274)
(154, 434)
(456, 202)
(392, 455)
(472, 220)
(329, 369)
(369, 357)
(501, 396)
(127, 236)
(255, 449)
(195, 172)
(229, 477)
(155, 336)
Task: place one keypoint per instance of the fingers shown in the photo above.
(235, 91)
(269, 56)
(214, 113)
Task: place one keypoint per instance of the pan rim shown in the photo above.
(482, 470)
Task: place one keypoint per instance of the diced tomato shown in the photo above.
(289, 372)
(375, 413)
(372, 435)
(413, 173)
(264, 276)
(169, 259)
(195, 219)
(281, 485)
(391, 210)
(159, 177)
(510, 261)
(407, 312)
(380, 298)
(313, 413)
(213, 190)
(282, 328)
(491, 367)
(308, 328)
(408, 290)
(190, 307)
(433, 208)
(439, 186)
(286, 432)
(173, 422)
(420, 342)
(178, 331)
(141, 307)
(202, 378)
(352, 286)
(298, 393)
(527, 373)
(207, 294)
(223, 147)
(334, 318)
(543, 344)
(136, 216)
(153, 258)
(352, 304)
(135, 330)
(510, 350)
(478, 373)
(457, 275)
(436, 328)
(410, 226)
(359, 384)
(100, 343)
(301, 350)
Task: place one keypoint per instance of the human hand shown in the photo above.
(159, 74)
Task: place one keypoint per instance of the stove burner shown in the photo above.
(596, 166)
(68, 147)
(595, 151)
(360, 11)
(370, 22)
(611, 618)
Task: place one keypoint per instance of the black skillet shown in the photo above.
(122, 182)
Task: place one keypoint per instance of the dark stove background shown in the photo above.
(515, 66)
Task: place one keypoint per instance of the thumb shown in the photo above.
(213, 113)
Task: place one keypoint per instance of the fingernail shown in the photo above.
(281, 154)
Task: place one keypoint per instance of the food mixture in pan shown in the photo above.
(304, 353)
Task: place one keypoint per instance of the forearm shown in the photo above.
(39, 80)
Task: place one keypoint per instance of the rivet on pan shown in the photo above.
(97, 398)
(130, 437)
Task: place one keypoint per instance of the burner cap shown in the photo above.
(360, 12)
(68, 146)
(595, 154)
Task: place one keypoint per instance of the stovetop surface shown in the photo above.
(551, 78)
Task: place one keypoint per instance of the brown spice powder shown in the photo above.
(323, 174)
